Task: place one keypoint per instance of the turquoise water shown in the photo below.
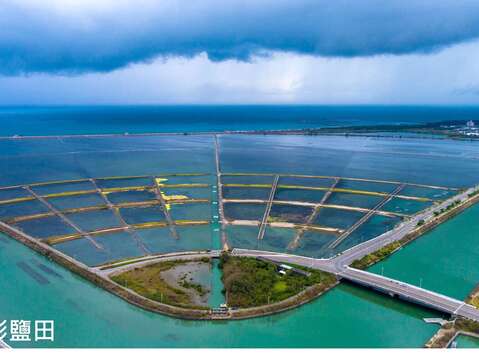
(467, 342)
(143, 119)
(86, 316)
(443, 260)
(216, 297)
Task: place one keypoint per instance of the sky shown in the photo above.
(239, 52)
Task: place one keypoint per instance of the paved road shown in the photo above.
(339, 265)
(389, 286)
(411, 293)
(148, 260)
(397, 233)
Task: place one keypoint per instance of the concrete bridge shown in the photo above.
(411, 293)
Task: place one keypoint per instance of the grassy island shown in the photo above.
(168, 282)
(250, 282)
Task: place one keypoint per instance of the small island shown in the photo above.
(251, 282)
(178, 283)
(251, 286)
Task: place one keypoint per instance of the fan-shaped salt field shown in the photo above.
(107, 200)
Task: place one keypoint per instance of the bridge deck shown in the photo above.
(411, 293)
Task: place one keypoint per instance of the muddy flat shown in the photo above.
(193, 278)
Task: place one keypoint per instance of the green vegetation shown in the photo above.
(422, 226)
(376, 256)
(474, 193)
(191, 285)
(69, 193)
(148, 282)
(475, 301)
(447, 129)
(197, 287)
(447, 208)
(467, 325)
(16, 200)
(450, 330)
(275, 219)
(250, 282)
(473, 297)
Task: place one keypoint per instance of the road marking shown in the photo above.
(459, 308)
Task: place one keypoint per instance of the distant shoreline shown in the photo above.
(416, 131)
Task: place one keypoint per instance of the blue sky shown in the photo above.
(261, 51)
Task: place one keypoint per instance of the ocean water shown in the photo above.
(464, 341)
(87, 316)
(146, 119)
(443, 260)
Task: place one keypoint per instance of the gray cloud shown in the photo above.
(58, 38)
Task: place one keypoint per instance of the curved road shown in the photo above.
(339, 265)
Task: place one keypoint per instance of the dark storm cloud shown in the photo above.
(58, 38)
